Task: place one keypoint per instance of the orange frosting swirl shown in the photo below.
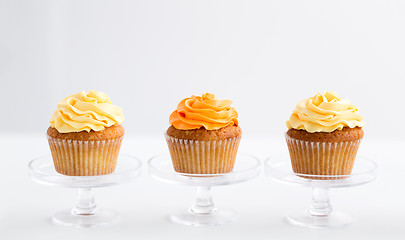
(205, 111)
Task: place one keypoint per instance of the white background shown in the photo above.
(148, 55)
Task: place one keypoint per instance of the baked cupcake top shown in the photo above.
(324, 112)
(85, 112)
(205, 111)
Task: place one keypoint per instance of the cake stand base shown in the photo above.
(335, 219)
(216, 217)
(70, 219)
(320, 213)
(85, 213)
(203, 212)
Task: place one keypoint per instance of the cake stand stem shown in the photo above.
(85, 203)
(203, 201)
(320, 205)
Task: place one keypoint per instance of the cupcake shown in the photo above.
(85, 134)
(324, 135)
(204, 135)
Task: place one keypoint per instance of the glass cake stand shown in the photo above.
(320, 213)
(85, 213)
(204, 212)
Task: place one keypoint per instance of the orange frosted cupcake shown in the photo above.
(324, 135)
(204, 135)
(85, 134)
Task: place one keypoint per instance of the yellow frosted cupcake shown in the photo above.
(324, 135)
(85, 134)
(204, 135)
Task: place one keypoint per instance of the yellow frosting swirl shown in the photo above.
(325, 112)
(204, 111)
(86, 112)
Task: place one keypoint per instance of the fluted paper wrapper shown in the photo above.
(322, 158)
(203, 157)
(84, 158)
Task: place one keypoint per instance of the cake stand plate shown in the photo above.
(85, 213)
(203, 212)
(320, 214)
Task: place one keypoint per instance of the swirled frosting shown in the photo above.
(86, 112)
(205, 111)
(325, 112)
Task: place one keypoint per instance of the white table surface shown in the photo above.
(144, 204)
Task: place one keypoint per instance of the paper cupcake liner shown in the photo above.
(203, 157)
(84, 158)
(322, 158)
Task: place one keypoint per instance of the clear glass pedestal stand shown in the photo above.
(320, 213)
(203, 211)
(85, 213)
